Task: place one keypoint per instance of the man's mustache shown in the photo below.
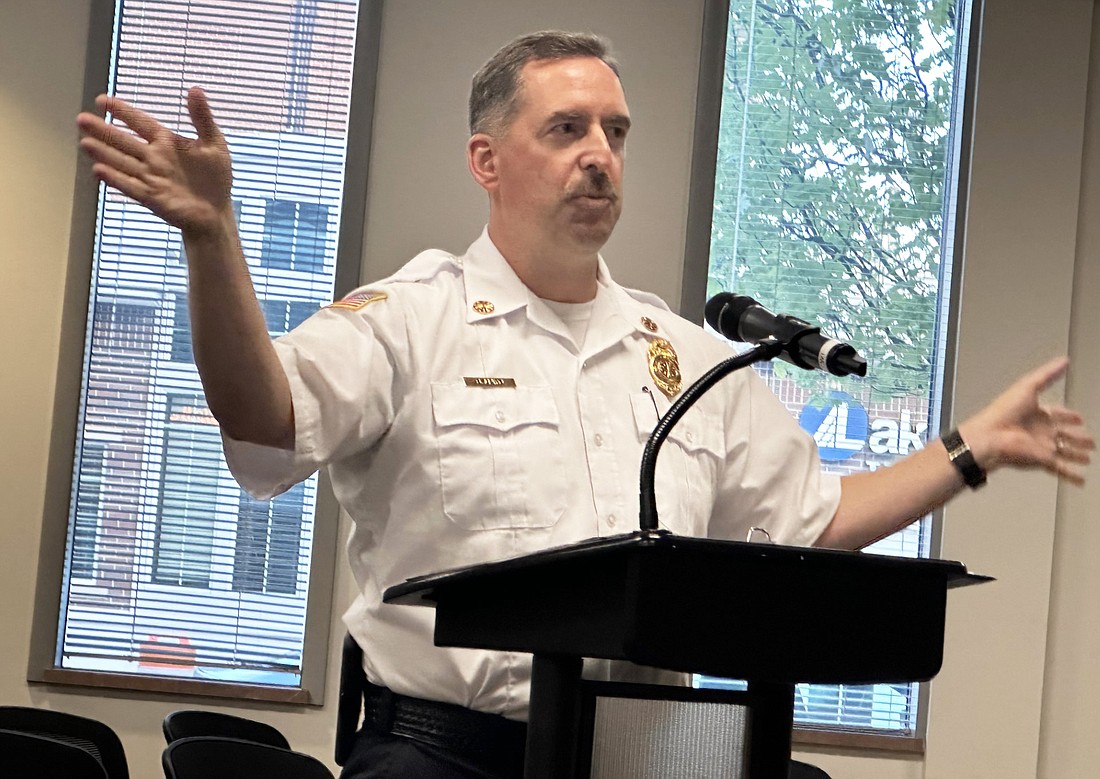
(596, 185)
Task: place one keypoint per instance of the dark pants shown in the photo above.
(386, 756)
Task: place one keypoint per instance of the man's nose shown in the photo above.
(597, 151)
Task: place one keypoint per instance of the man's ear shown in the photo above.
(481, 157)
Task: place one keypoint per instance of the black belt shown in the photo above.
(473, 734)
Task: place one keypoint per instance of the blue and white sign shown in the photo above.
(838, 424)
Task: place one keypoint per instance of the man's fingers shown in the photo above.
(1075, 445)
(1071, 475)
(1045, 375)
(128, 185)
(108, 155)
(137, 120)
(1074, 455)
(1078, 436)
(1072, 438)
(93, 126)
(201, 116)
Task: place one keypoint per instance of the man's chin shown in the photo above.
(592, 236)
(594, 229)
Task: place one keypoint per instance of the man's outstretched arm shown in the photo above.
(187, 183)
(1017, 429)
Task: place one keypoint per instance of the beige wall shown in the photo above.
(1013, 692)
(1068, 743)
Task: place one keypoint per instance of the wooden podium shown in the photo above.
(772, 615)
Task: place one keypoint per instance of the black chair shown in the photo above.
(232, 758)
(189, 723)
(93, 737)
(28, 756)
(350, 705)
(801, 770)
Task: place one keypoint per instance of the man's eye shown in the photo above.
(567, 128)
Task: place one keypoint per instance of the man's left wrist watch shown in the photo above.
(963, 459)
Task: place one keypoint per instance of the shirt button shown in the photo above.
(598, 440)
(689, 437)
(500, 416)
(611, 520)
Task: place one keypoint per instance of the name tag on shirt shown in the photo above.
(488, 381)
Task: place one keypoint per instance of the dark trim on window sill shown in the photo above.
(177, 686)
(853, 739)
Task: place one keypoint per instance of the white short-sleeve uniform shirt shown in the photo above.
(461, 423)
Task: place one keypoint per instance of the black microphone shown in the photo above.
(740, 318)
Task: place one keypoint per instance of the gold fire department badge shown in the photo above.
(664, 367)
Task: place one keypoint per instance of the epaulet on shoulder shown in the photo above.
(646, 297)
(424, 266)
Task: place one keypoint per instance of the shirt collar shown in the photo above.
(493, 289)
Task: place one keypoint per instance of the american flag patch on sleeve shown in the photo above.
(358, 300)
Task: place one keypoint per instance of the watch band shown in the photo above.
(963, 459)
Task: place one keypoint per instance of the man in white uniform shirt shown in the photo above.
(480, 406)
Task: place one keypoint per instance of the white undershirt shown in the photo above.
(575, 316)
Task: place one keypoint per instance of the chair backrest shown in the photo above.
(189, 723)
(93, 736)
(352, 683)
(806, 771)
(231, 758)
(29, 756)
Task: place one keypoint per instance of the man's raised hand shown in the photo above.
(184, 181)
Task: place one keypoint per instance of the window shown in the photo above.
(282, 316)
(89, 499)
(180, 349)
(294, 235)
(834, 199)
(183, 545)
(170, 570)
(267, 554)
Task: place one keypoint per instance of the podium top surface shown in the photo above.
(661, 544)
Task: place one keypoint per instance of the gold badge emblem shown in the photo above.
(664, 367)
(484, 307)
(649, 324)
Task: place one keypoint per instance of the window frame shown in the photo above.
(325, 562)
(693, 289)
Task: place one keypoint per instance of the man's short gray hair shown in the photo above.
(494, 95)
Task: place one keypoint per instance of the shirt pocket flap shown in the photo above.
(497, 408)
(697, 431)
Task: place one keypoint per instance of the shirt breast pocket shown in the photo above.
(687, 466)
(500, 459)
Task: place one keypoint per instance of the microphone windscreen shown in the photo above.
(713, 311)
(723, 312)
